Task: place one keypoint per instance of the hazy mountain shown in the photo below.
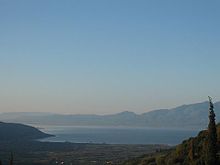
(185, 116)
(192, 116)
(12, 131)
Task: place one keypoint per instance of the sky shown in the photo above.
(107, 56)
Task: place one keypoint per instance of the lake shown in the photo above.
(116, 135)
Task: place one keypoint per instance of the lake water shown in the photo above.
(116, 135)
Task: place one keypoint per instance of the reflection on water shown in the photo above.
(116, 135)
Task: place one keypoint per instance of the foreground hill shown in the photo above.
(190, 152)
(12, 131)
(185, 116)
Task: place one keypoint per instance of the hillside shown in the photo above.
(185, 116)
(189, 152)
(12, 131)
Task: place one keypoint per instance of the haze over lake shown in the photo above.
(116, 135)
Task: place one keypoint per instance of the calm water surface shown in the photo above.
(116, 135)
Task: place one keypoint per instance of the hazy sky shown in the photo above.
(107, 56)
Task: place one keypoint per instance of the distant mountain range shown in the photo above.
(193, 116)
(15, 132)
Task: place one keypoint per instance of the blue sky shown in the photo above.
(107, 56)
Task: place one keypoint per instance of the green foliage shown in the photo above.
(191, 152)
(160, 160)
(211, 157)
(201, 150)
(150, 160)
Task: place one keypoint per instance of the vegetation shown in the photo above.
(53, 153)
(212, 138)
(201, 150)
(191, 152)
(20, 139)
(14, 131)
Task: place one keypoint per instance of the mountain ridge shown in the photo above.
(186, 116)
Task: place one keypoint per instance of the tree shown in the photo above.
(212, 137)
(11, 159)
